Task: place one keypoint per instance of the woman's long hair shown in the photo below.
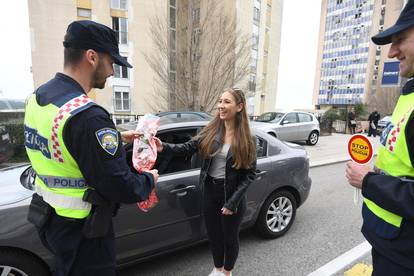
(242, 146)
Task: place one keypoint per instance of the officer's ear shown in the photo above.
(92, 57)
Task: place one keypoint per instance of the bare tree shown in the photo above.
(203, 55)
(384, 101)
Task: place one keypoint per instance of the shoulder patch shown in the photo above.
(108, 139)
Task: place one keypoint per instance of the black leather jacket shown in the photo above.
(236, 180)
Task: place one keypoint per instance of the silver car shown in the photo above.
(290, 126)
(176, 221)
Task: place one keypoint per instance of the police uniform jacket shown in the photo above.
(397, 196)
(104, 170)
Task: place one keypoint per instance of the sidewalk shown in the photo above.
(333, 149)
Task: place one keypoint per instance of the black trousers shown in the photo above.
(372, 131)
(74, 254)
(385, 267)
(222, 230)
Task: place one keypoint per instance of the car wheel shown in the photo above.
(19, 263)
(277, 215)
(313, 138)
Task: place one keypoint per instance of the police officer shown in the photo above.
(77, 155)
(388, 189)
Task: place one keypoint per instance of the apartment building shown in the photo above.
(350, 68)
(134, 91)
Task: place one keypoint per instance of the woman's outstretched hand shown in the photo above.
(158, 143)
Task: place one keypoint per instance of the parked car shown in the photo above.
(6, 147)
(186, 115)
(290, 126)
(176, 221)
(382, 124)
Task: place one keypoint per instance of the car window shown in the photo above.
(270, 116)
(261, 147)
(303, 118)
(191, 116)
(167, 163)
(171, 115)
(291, 118)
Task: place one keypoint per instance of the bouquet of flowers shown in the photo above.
(144, 153)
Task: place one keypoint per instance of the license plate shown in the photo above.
(5, 137)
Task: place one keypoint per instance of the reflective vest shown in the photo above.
(58, 177)
(393, 159)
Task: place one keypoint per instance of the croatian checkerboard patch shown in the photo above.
(108, 139)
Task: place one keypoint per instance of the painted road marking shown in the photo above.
(359, 269)
(343, 261)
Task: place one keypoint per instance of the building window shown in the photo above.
(173, 3)
(172, 80)
(120, 120)
(256, 14)
(87, 13)
(119, 4)
(172, 62)
(121, 98)
(172, 18)
(196, 16)
(252, 83)
(120, 71)
(119, 25)
(255, 42)
(172, 39)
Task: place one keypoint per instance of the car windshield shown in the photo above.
(270, 116)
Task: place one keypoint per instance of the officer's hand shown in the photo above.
(155, 174)
(158, 143)
(129, 136)
(355, 173)
(226, 211)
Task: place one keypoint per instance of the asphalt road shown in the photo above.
(327, 225)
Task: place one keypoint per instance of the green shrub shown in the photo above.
(327, 120)
(361, 110)
(16, 132)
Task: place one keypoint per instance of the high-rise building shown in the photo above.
(132, 91)
(350, 68)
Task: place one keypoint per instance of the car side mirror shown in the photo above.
(27, 178)
(284, 122)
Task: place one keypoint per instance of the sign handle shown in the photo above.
(357, 196)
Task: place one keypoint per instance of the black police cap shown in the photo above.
(87, 34)
(404, 21)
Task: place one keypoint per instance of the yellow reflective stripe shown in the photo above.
(63, 201)
(384, 214)
(76, 214)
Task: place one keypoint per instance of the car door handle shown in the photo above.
(182, 191)
(259, 174)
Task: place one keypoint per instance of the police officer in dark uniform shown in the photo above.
(77, 155)
(388, 189)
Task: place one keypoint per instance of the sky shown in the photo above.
(299, 46)
(16, 80)
(300, 31)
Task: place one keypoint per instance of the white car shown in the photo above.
(382, 124)
(290, 126)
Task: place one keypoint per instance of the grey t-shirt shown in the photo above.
(218, 164)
